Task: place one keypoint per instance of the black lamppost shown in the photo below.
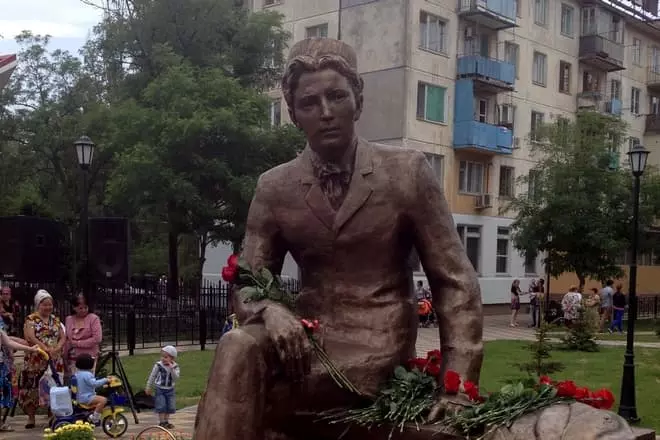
(85, 153)
(627, 406)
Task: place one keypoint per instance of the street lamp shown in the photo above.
(627, 406)
(85, 152)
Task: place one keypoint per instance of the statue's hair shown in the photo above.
(305, 63)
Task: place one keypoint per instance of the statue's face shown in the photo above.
(325, 109)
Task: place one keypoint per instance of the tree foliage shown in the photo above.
(577, 207)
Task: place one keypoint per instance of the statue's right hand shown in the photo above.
(290, 339)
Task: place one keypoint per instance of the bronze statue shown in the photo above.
(350, 212)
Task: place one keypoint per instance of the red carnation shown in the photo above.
(566, 388)
(433, 369)
(311, 325)
(603, 399)
(472, 391)
(581, 393)
(545, 380)
(419, 363)
(434, 356)
(452, 382)
(232, 261)
(229, 273)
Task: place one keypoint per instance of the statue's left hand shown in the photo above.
(447, 404)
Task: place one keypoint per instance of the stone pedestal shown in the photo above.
(574, 421)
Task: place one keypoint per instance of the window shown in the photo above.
(655, 59)
(511, 54)
(537, 123)
(276, 112)
(539, 69)
(541, 12)
(320, 31)
(588, 24)
(533, 182)
(566, 20)
(637, 52)
(616, 32)
(437, 162)
(519, 8)
(632, 141)
(507, 115)
(431, 102)
(482, 115)
(655, 105)
(615, 89)
(530, 263)
(564, 77)
(507, 181)
(471, 177)
(502, 256)
(634, 100)
(471, 238)
(433, 33)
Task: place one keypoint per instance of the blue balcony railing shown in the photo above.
(479, 135)
(477, 65)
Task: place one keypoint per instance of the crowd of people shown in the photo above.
(72, 349)
(609, 303)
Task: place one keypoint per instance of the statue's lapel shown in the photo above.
(314, 198)
(359, 189)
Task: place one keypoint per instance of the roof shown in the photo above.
(7, 65)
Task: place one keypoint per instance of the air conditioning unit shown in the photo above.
(483, 201)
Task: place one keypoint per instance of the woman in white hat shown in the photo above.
(44, 329)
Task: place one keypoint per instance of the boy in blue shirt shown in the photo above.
(87, 385)
(163, 377)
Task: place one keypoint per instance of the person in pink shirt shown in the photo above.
(83, 333)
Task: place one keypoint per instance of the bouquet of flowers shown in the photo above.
(263, 285)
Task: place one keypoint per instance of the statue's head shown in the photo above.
(323, 91)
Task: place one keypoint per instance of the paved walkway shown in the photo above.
(495, 328)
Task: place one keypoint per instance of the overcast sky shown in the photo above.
(69, 22)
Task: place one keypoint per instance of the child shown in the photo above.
(87, 385)
(163, 377)
(7, 345)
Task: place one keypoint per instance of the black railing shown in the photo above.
(147, 318)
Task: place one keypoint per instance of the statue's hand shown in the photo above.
(290, 339)
(447, 404)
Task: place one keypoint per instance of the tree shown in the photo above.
(577, 209)
(194, 143)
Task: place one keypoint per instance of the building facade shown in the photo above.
(466, 81)
(7, 66)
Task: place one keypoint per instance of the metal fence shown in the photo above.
(149, 318)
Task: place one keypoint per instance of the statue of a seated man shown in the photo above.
(350, 212)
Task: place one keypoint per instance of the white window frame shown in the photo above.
(437, 163)
(317, 31)
(567, 22)
(565, 80)
(512, 55)
(471, 231)
(508, 177)
(539, 69)
(541, 12)
(536, 120)
(424, 116)
(275, 112)
(588, 21)
(507, 114)
(635, 98)
(431, 26)
(637, 52)
(503, 234)
(482, 116)
(471, 177)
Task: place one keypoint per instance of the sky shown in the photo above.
(69, 22)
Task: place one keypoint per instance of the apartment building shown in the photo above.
(466, 81)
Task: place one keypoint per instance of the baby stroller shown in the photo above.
(426, 313)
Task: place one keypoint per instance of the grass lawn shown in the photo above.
(647, 337)
(595, 370)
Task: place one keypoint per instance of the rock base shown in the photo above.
(573, 421)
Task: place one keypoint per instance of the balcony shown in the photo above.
(493, 14)
(481, 137)
(652, 124)
(601, 53)
(489, 75)
(653, 78)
